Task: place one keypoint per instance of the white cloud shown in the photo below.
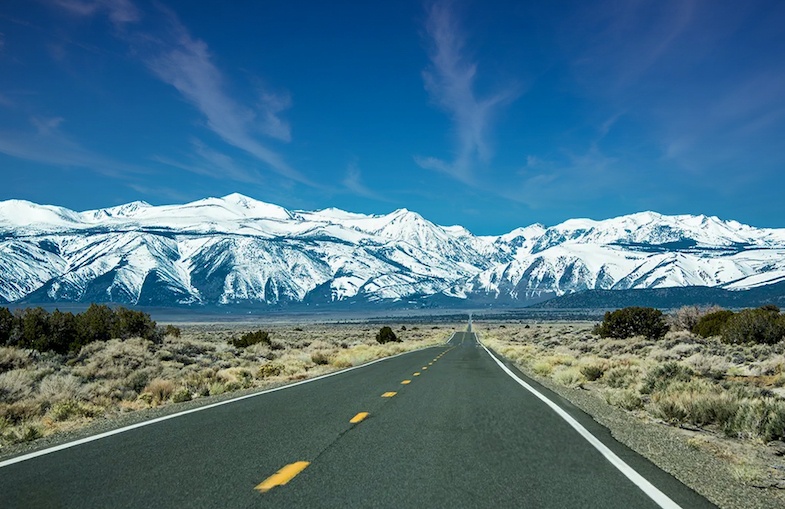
(186, 64)
(118, 11)
(49, 145)
(353, 182)
(450, 82)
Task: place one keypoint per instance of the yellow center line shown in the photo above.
(359, 417)
(416, 374)
(282, 477)
(389, 394)
(425, 367)
(406, 382)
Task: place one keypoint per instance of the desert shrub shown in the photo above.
(685, 317)
(15, 385)
(592, 372)
(761, 326)
(711, 324)
(181, 396)
(269, 369)
(710, 366)
(138, 379)
(60, 387)
(620, 377)
(171, 330)
(251, 338)
(662, 375)
(759, 418)
(320, 358)
(69, 409)
(30, 433)
(386, 335)
(160, 390)
(569, 377)
(633, 321)
(698, 402)
(628, 399)
(14, 358)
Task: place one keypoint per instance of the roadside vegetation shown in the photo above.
(52, 381)
(716, 373)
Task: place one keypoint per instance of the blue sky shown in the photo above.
(492, 115)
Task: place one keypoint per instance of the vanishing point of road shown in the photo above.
(447, 426)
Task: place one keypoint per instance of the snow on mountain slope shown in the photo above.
(236, 249)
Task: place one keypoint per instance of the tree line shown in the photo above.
(64, 332)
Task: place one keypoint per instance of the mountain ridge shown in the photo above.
(237, 250)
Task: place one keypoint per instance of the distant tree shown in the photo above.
(763, 326)
(62, 331)
(633, 321)
(95, 324)
(711, 324)
(251, 338)
(386, 335)
(128, 323)
(35, 329)
(6, 325)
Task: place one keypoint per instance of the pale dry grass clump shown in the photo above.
(42, 394)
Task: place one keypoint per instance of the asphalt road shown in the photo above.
(461, 433)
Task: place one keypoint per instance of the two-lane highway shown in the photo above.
(440, 427)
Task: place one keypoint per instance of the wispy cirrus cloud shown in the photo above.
(203, 160)
(48, 144)
(353, 182)
(185, 62)
(118, 11)
(450, 81)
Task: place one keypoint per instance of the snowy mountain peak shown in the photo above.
(20, 213)
(236, 249)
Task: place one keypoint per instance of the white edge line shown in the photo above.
(648, 488)
(68, 445)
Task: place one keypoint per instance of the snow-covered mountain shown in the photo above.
(237, 250)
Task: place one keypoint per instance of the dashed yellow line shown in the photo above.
(282, 477)
(359, 417)
(406, 382)
(425, 367)
(416, 374)
(389, 394)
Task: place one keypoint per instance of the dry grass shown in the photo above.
(43, 394)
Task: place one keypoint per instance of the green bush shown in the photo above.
(181, 396)
(633, 321)
(386, 335)
(173, 331)
(761, 326)
(711, 324)
(251, 338)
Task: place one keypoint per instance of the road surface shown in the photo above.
(440, 427)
